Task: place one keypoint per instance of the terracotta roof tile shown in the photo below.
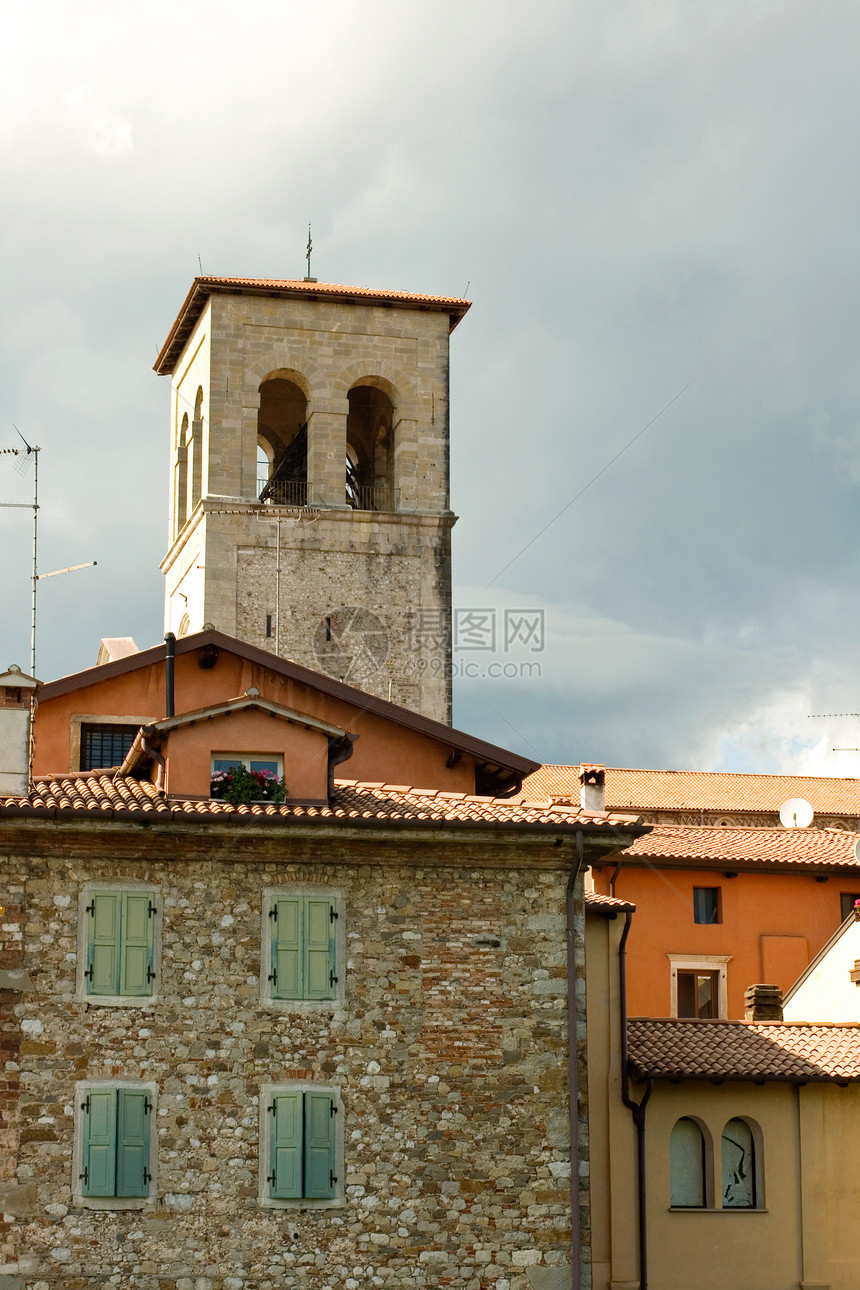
(763, 846)
(694, 790)
(123, 797)
(741, 1050)
(304, 287)
(204, 287)
(595, 900)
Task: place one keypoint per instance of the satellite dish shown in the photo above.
(857, 850)
(796, 813)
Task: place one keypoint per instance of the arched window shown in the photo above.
(688, 1165)
(180, 481)
(740, 1166)
(264, 464)
(195, 453)
(370, 454)
(282, 442)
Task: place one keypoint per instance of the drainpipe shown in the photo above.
(637, 1109)
(573, 1074)
(339, 751)
(152, 751)
(170, 645)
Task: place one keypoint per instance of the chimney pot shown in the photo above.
(592, 791)
(763, 1003)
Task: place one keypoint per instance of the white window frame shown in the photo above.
(333, 894)
(269, 1091)
(117, 1000)
(150, 1087)
(699, 963)
(245, 758)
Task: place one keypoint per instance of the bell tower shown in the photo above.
(309, 493)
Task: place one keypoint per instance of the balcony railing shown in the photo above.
(294, 492)
(368, 497)
(284, 492)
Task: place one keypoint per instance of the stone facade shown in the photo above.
(279, 574)
(447, 1053)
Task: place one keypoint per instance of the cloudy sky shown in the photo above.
(655, 205)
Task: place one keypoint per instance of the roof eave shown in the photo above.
(485, 754)
(202, 288)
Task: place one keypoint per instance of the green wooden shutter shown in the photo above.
(286, 948)
(136, 943)
(319, 1146)
(103, 942)
(285, 1149)
(132, 1153)
(319, 949)
(99, 1143)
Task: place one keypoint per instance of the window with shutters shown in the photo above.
(301, 962)
(115, 1143)
(118, 944)
(301, 1146)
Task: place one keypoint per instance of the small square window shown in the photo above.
(268, 768)
(847, 901)
(698, 994)
(105, 745)
(707, 905)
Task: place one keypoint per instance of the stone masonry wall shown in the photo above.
(11, 956)
(398, 643)
(449, 1052)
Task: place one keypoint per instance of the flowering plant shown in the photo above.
(238, 785)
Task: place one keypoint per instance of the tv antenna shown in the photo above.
(820, 716)
(25, 454)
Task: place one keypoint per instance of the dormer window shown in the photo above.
(248, 777)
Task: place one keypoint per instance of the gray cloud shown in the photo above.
(639, 194)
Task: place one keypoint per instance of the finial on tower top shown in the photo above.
(310, 247)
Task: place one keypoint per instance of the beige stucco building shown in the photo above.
(741, 1128)
(309, 498)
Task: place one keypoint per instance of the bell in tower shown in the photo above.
(309, 504)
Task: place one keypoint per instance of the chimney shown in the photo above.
(592, 792)
(763, 1003)
(16, 692)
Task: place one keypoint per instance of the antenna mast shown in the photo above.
(36, 576)
(21, 468)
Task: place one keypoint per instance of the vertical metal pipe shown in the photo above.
(573, 1074)
(35, 452)
(170, 645)
(637, 1109)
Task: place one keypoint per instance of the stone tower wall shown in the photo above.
(392, 566)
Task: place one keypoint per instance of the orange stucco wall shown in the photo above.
(772, 925)
(190, 748)
(383, 751)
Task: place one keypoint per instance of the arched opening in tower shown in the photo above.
(282, 443)
(369, 449)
